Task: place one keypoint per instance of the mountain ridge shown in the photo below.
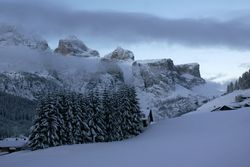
(156, 80)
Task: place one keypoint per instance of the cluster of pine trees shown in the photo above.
(242, 83)
(71, 118)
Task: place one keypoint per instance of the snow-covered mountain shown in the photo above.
(13, 36)
(166, 89)
(120, 54)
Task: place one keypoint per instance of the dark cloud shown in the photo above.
(217, 76)
(52, 20)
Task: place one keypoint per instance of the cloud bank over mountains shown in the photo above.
(51, 20)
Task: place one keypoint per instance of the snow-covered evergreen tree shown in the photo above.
(77, 119)
(136, 119)
(125, 109)
(96, 122)
(112, 116)
(65, 109)
(71, 118)
(85, 117)
(47, 129)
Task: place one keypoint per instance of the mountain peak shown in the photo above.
(12, 36)
(75, 47)
(120, 54)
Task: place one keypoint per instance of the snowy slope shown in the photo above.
(218, 139)
(228, 100)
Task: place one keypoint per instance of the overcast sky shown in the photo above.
(214, 33)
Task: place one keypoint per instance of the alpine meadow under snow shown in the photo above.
(201, 139)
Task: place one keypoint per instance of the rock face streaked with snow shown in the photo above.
(165, 89)
(120, 54)
(192, 69)
(75, 47)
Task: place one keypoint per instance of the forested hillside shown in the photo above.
(242, 83)
(16, 115)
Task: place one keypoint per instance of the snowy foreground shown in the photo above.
(202, 139)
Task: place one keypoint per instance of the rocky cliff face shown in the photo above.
(120, 54)
(72, 46)
(162, 86)
(192, 69)
(165, 89)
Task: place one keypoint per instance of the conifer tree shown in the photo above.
(85, 117)
(77, 119)
(71, 118)
(112, 116)
(47, 128)
(137, 125)
(65, 109)
(96, 122)
(242, 83)
(125, 110)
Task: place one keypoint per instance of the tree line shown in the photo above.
(72, 118)
(242, 83)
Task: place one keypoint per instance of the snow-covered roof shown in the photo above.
(13, 142)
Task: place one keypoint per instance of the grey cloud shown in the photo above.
(52, 20)
(217, 76)
(245, 65)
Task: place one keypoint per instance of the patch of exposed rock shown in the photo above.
(72, 46)
(120, 54)
(192, 69)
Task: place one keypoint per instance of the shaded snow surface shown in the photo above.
(218, 139)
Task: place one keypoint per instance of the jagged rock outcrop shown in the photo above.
(120, 54)
(11, 36)
(192, 69)
(72, 46)
(163, 72)
(165, 89)
(154, 72)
